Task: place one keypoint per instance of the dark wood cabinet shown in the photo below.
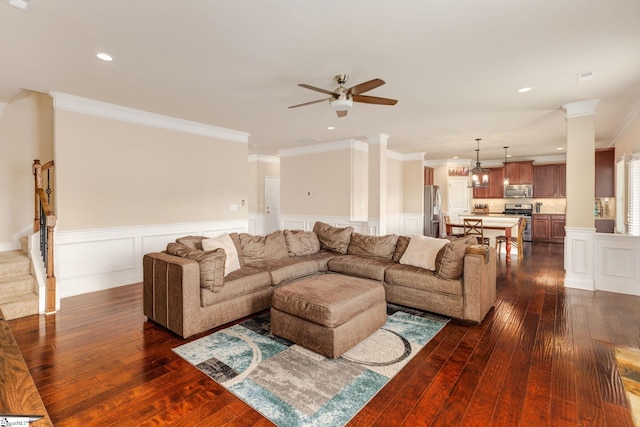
(519, 172)
(548, 228)
(495, 190)
(428, 176)
(605, 172)
(549, 181)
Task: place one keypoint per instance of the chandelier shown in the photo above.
(479, 176)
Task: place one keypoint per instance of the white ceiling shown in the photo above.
(454, 65)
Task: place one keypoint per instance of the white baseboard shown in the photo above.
(93, 260)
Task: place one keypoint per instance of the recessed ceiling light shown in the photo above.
(559, 148)
(508, 155)
(455, 157)
(525, 89)
(20, 4)
(104, 56)
(330, 127)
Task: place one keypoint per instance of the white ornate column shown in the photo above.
(579, 228)
(378, 183)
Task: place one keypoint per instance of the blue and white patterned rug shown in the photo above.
(293, 386)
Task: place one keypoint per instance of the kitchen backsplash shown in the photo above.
(548, 205)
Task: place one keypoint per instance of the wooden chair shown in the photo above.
(518, 242)
(447, 220)
(474, 227)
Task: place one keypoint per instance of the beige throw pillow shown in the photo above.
(300, 242)
(450, 259)
(422, 251)
(211, 264)
(224, 241)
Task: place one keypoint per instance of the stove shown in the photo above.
(521, 209)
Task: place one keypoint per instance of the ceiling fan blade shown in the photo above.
(341, 113)
(374, 100)
(312, 102)
(366, 86)
(317, 89)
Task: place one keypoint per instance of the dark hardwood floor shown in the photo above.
(543, 356)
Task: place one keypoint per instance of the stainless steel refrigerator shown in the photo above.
(432, 206)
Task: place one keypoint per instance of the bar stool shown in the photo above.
(447, 220)
(518, 243)
(474, 227)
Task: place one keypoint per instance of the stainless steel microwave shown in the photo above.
(524, 191)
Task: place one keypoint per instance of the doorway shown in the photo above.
(272, 204)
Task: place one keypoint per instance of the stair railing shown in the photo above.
(45, 222)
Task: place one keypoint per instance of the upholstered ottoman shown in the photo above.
(329, 313)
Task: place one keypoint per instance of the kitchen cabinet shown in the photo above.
(605, 172)
(428, 176)
(519, 172)
(495, 190)
(548, 228)
(549, 181)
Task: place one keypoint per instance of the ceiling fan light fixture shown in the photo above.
(341, 104)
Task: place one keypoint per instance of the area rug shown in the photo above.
(628, 361)
(293, 386)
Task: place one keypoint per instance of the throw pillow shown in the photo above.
(422, 251)
(373, 246)
(224, 241)
(263, 248)
(300, 242)
(236, 241)
(333, 238)
(450, 259)
(211, 264)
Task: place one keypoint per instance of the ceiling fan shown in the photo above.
(342, 98)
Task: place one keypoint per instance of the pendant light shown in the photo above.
(479, 176)
(506, 178)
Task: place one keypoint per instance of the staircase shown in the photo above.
(18, 297)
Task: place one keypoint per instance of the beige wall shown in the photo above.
(413, 187)
(629, 141)
(327, 175)
(25, 135)
(580, 179)
(112, 173)
(394, 187)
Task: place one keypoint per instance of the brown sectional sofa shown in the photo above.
(188, 290)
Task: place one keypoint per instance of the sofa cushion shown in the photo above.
(321, 258)
(450, 259)
(421, 280)
(263, 248)
(401, 247)
(211, 264)
(372, 246)
(300, 242)
(367, 267)
(224, 242)
(193, 242)
(287, 269)
(244, 281)
(333, 238)
(422, 251)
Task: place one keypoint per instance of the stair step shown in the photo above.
(14, 262)
(17, 284)
(19, 306)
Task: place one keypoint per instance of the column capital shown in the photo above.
(580, 108)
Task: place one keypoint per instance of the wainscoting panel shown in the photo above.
(617, 263)
(93, 260)
(578, 258)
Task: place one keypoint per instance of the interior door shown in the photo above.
(458, 198)
(272, 204)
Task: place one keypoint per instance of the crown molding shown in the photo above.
(346, 144)
(263, 158)
(633, 115)
(2, 105)
(580, 108)
(76, 104)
